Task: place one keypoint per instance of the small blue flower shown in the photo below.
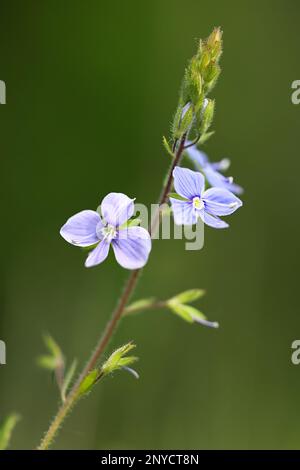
(212, 170)
(196, 202)
(131, 245)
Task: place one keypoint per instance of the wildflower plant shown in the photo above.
(113, 225)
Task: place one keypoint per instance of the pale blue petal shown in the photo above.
(183, 212)
(80, 229)
(219, 201)
(198, 157)
(220, 181)
(98, 254)
(213, 221)
(188, 183)
(132, 247)
(222, 165)
(117, 208)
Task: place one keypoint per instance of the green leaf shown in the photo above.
(193, 312)
(6, 430)
(176, 120)
(207, 117)
(185, 122)
(205, 137)
(188, 296)
(181, 311)
(177, 196)
(88, 382)
(139, 305)
(53, 347)
(117, 360)
(47, 362)
(67, 379)
(53, 360)
(167, 147)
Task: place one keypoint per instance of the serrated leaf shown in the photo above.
(67, 379)
(138, 305)
(167, 147)
(177, 196)
(188, 296)
(6, 430)
(88, 382)
(117, 359)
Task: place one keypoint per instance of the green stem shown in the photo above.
(130, 285)
(154, 306)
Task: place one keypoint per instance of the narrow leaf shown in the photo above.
(6, 430)
(205, 137)
(52, 346)
(88, 382)
(188, 296)
(47, 362)
(167, 147)
(118, 360)
(181, 311)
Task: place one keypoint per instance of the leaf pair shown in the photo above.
(117, 360)
(55, 362)
(178, 305)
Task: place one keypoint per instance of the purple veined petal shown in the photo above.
(98, 254)
(183, 212)
(80, 229)
(213, 221)
(220, 181)
(132, 247)
(188, 183)
(219, 201)
(117, 208)
(198, 157)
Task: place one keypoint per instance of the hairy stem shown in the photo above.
(112, 324)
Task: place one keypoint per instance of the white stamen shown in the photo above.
(109, 232)
(198, 203)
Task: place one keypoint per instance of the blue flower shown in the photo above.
(195, 202)
(131, 245)
(212, 170)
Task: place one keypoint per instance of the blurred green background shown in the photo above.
(91, 89)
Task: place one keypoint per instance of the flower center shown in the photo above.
(198, 203)
(109, 232)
